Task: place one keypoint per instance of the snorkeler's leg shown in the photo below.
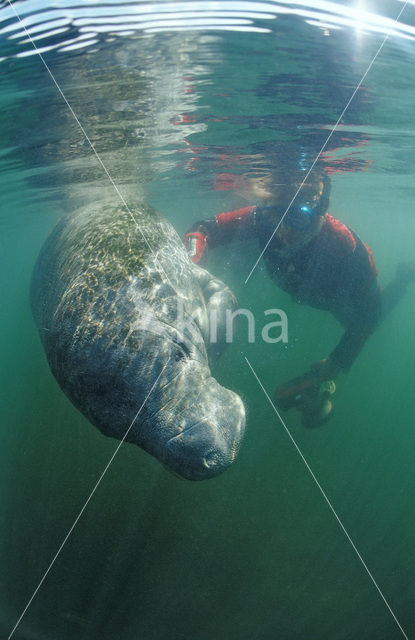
(393, 293)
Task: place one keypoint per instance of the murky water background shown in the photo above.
(178, 99)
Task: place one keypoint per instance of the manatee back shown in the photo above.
(97, 275)
(90, 259)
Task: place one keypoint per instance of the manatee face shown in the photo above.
(192, 424)
(211, 434)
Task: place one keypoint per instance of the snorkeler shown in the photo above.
(315, 258)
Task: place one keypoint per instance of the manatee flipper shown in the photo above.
(220, 303)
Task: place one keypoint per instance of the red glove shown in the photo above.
(195, 243)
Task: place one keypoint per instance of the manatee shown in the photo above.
(123, 316)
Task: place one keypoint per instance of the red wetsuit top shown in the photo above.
(334, 271)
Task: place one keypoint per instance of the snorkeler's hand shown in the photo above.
(195, 243)
(325, 370)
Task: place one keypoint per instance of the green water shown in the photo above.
(256, 553)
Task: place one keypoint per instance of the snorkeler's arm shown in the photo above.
(355, 336)
(365, 300)
(206, 234)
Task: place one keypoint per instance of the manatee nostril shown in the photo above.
(210, 460)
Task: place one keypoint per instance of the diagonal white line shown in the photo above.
(326, 498)
(327, 140)
(86, 503)
(84, 133)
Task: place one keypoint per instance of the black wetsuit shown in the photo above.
(333, 271)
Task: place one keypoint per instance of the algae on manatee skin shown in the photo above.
(106, 256)
(112, 241)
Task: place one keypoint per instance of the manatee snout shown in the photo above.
(209, 443)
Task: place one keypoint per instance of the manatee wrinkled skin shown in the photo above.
(118, 303)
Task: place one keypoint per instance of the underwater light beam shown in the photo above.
(98, 157)
(110, 461)
(326, 499)
(328, 138)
